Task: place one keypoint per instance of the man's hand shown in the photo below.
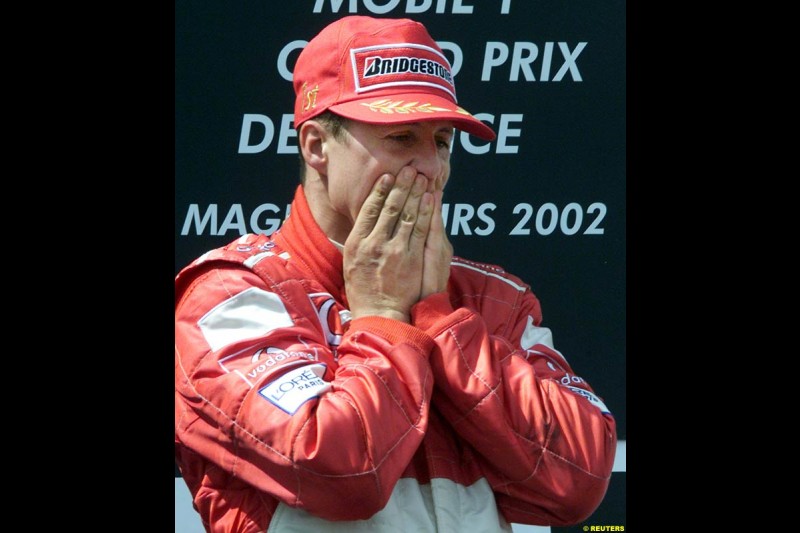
(438, 253)
(391, 257)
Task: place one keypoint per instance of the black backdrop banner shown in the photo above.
(545, 200)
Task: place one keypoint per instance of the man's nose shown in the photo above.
(429, 162)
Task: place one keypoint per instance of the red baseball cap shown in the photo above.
(379, 71)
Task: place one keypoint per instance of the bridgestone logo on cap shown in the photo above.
(377, 66)
(400, 65)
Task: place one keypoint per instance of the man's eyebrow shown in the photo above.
(443, 129)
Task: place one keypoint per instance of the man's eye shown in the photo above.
(444, 144)
(401, 138)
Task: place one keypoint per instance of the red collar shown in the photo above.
(309, 247)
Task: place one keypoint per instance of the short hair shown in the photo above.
(335, 124)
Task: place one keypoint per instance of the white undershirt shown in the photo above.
(338, 245)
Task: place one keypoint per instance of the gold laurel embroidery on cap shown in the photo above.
(397, 106)
(463, 111)
(311, 96)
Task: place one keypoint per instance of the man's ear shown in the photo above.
(311, 142)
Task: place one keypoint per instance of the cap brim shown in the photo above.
(412, 107)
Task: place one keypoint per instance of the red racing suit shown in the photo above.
(290, 416)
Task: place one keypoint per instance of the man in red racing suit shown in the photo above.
(295, 412)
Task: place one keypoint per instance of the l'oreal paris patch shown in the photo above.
(291, 390)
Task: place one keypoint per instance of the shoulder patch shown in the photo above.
(251, 313)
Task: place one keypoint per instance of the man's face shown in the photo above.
(367, 151)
